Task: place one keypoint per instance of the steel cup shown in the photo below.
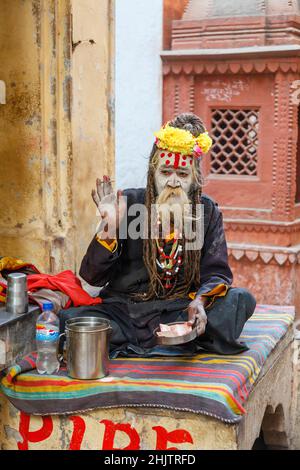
(16, 293)
(87, 345)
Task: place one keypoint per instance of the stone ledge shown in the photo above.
(17, 335)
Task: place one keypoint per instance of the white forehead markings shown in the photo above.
(177, 159)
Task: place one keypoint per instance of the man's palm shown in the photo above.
(111, 206)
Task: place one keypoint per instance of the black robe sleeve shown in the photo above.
(214, 268)
(99, 264)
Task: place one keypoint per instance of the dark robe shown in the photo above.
(122, 273)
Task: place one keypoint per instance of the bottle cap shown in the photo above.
(48, 306)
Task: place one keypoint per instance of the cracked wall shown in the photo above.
(20, 133)
(56, 128)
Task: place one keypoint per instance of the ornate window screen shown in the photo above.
(235, 141)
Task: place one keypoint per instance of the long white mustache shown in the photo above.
(172, 196)
(172, 206)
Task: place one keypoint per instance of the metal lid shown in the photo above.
(16, 279)
(16, 276)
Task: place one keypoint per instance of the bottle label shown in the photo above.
(45, 334)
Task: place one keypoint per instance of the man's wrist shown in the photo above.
(202, 300)
(104, 236)
(109, 241)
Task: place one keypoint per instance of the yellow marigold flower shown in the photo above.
(176, 140)
(181, 141)
(204, 142)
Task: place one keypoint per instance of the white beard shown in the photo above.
(172, 206)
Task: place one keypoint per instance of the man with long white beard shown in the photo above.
(171, 272)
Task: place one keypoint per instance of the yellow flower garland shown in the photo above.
(181, 141)
(204, 142)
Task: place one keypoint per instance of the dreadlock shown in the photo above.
(193, 124)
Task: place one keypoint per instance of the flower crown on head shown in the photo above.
(181, 141)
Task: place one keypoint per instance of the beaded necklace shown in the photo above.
(169, 264)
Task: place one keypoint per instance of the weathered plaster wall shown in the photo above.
(56, 131)
(21, 219)
(115, 429)
(270, 283)
(93, 110)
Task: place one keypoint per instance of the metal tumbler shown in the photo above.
(16, 293)
(87, 347)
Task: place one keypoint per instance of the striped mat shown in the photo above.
(209, 384)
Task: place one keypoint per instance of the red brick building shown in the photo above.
(237, 64)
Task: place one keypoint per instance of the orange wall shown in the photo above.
(173, 10)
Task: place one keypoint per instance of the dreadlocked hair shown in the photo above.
(191, 258)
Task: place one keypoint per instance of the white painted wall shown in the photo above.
(138, 87)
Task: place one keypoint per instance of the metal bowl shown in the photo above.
(165, 341)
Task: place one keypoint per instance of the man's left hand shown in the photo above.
(196, 314)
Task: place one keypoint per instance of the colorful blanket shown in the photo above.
(209, 384)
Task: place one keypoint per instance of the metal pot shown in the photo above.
(87, 345)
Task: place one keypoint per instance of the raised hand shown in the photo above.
(111, 208)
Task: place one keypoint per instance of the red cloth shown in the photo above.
(66, 282)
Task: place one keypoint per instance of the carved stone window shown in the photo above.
(235, 142)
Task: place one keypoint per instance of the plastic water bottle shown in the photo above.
(47, 334)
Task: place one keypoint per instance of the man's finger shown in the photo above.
(95, 197)
(107, 187)
(119, 194)
(192, 321)
(122, 207)
(200, 331)
(201, 327)
(99, 185)
(202, 316)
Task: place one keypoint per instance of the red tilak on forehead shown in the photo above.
(175, 159)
